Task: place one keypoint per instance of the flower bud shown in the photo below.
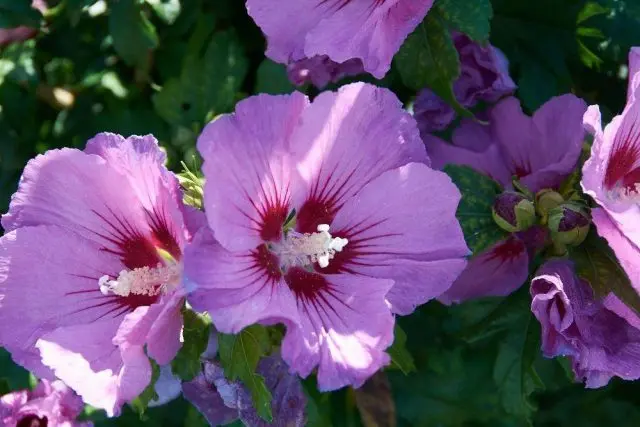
(513, 212)
(569, 223)
(547, 200)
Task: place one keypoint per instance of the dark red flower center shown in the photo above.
(623, 168)
(340, 4)
(33, 421)
(509, 249)
(136, 250)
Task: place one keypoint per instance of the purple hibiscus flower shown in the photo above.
(541, 151)
(50, 404)
(612, 175)
(91, 265)
(222, 401)
(329, 220)
(371, 31)
(320, 70)
(484, 76)
(601, 338)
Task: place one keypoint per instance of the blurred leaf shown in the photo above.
(375, 402)
(428, 58)
(514, 372)
(207, 85)
(195, 418)
(197, 328)
(167, 10)
(5, 387)
(13, 375)
(272, 78)
(400, 356)
(541, 45)
(134, 36)
(74, 9)
(141, 403)
(494, 316)
(14, 13)
(479, 192)
(596, 263)
(16, 63)
(470, 17)
(239, 357)
(536, 85)
(318, 410)
(456, 389)
(590, 10)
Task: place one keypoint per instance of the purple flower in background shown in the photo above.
(612, 175)
(91, 266)
(328, 220)
(371, 31)
(484, 76)
(51, 404)
(22, 33)
(601, 338)
(541, 151)
(320, 70)
(222, 401)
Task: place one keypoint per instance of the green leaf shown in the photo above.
(470, 17)
(400, 356)
(14, 13)
(134, 36)
(5, 388)
(474, 212)
(17, 63)
(194, 418)
(167, 10)
(318, 410)
(141, 403)
(428, 58)
(514, 372)
(596, 263)
(208, 85)
(74, 9)
(197, 328)
(239, 357)
(14, 376)
(272, 78)
(537, 85)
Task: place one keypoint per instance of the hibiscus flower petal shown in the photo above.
(70, 262)
(498, 271)
(381, 136)
(84, 358)
(236, 290)
(87, 195)
(249, 173)
(628, 254)
(555, 129)
(344, 329)
(413, 220)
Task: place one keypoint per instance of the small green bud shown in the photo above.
(513, 212)
(546, 200)
(569, 223)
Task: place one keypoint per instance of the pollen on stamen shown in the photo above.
(304, 250)
(149, 281)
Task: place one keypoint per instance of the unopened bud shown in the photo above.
(546, 200)
(569, 224)
(513, 212)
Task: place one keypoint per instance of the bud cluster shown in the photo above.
(567, 220)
